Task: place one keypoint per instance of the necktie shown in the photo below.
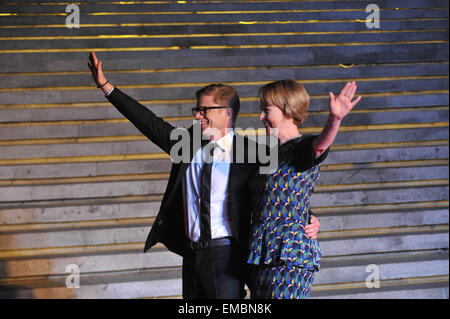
(205, 193)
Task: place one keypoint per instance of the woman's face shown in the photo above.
(272, 117)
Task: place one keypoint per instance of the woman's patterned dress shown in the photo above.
(283, 259)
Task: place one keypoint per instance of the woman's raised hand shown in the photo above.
(341, 105)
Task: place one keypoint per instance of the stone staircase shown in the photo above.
(80, 185)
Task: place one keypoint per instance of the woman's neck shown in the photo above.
(288, 133)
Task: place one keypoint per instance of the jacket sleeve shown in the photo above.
(152, 126)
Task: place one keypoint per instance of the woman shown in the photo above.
(283, 258)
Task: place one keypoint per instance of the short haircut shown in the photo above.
(224, 95)
(289, 96)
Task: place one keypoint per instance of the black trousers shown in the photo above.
(212, 273)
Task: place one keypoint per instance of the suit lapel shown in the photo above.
(233, 184)
(183, 166)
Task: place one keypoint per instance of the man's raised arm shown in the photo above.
(152, 126)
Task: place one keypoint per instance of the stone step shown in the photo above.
(342, 243)
(147, 184)
(220, 75)
(157, 258)
(284, 40)
(303, 54)
(133, 210)
(49, 146)
(244, 19)
(384, 243)
(433, 287)
(92, 264)
(403, 172)
(348, 138)
(377, 196)
(140, 210)
(116, 236)
(78, 63)
(250, 77)
(83, 190)
(96, 213)
(131, 164)
(213, 14)
(341, 49)
(122, 127)
(83, 169)
(408, 269)
(337, 4)
(428, 288)
(249, 106)
(87, 92)
(144, 174)
(434, 135)
(388, 266)
(77, 237)
(385, 155)
(128, 230)
(104, 6)
(374, 219)
(383, 175)
(395, 152)
(181, 109)
(27, 222)
(158, 163)
(169, 26)
(183, 105)
(430, 267)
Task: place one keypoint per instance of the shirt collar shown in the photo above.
(226, 142)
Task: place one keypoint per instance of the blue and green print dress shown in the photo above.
(282, 258)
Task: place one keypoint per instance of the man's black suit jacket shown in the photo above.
(169, 227)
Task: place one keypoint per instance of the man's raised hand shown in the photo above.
(97, 73)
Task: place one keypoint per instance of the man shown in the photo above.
(205, 212)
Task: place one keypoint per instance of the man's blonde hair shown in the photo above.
(289, 96)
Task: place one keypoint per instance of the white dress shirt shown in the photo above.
(110, 91)
(220, 216)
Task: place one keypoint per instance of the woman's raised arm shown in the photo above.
(340, 106)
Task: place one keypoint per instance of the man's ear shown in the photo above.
(230, 116)
(230, 112)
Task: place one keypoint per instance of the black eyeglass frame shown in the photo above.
(204, 109)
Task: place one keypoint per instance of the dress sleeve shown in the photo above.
(303, 153)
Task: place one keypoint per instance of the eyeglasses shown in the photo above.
(204, 109)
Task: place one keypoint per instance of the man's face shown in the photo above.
(216, 121)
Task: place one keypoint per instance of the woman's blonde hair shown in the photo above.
(289, 96)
